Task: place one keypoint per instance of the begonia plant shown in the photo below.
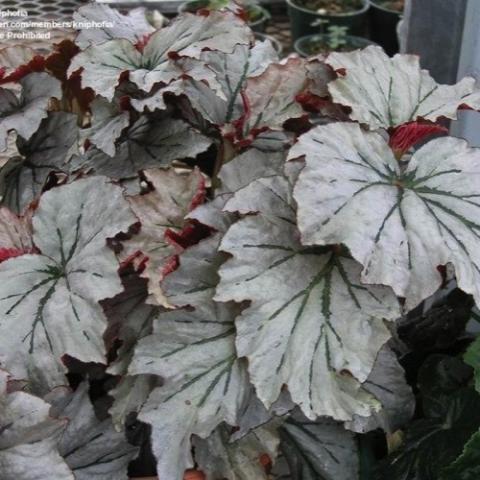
(213, 259)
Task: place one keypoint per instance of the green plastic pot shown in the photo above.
(301, 45)
(383, 26)
(301, 20)
(258, 25)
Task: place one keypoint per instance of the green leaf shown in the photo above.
(472, 358)
(467, 465)
(451, 417)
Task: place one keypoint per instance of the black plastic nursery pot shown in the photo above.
(301, 20)
(259, 22)
(303, 46)
(383, 26)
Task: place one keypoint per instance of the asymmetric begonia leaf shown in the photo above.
(220, 458)
(386, 92)
(107, 125)
(269, 100)
(249, 166)
(90, 447)
(310, 320)
(47, 151)
(28, 437)
(49, 302)
(186, 36)
(231, 71)
(148, 143)
(204, 382)
(24, 114)
(400, 223)
(387, 383)
(319, 450)
(199, 264)
(271, 95)
(133, 26)
(162, 215)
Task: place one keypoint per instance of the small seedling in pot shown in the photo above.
(337, 37)
(320, 22)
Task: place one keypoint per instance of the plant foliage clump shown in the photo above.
(253, 267)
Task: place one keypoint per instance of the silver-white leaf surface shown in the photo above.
(133, 26)
(49, 301)
(47, 151)
(386, 92)
(204, 381)
(93, 449)
(220, 458)
(25, 112)
(320, 449)
(186, 36)
(148, 143)
(310, 320)
(162, 211)
(28, 437)
(388, 384)
(399, 223)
